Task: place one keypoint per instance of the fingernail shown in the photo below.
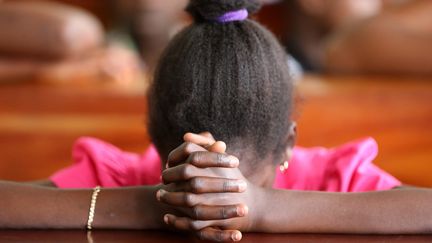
(166, 166)
(161, 193)
(242, 185)
(240, 211)
(158, 195)
(236, 237)
(234, 161)
(166, 219)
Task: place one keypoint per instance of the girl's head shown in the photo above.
(230, 79)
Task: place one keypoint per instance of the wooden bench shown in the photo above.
(38, 124)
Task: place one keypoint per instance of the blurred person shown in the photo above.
(53, 42)
(369, 36)
(151, 24)
(47, 30)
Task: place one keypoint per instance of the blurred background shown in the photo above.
(71, 68)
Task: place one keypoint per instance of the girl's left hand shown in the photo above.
(213, 193)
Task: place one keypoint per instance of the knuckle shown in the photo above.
(195, 225)
(226, 186)
(187, 171)
(195, 158)
(224, 213)
(196, 212)
(220, 159)
(189, 199)
(219, 236)
(196, 185)
(188, 147)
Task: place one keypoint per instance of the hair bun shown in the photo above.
(203, 10)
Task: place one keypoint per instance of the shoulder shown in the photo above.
(345, 168)
(97, 162)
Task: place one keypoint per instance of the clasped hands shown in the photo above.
(204, 185)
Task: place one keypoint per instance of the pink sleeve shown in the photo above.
(348, 168)
(99, 163)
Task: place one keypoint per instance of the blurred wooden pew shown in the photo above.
(38, 124)
(397, 112)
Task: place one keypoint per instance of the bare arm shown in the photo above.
(405, 211)
(396, 41)
(29, 206)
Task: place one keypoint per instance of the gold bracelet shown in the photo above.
(95, 194)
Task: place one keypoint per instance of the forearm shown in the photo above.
(129, 208)
(385, 212)
(27, 206)
(389, 43)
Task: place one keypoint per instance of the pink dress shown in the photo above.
(347, 168)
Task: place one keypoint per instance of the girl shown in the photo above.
(227, 75)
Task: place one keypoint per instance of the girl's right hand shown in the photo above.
(213, 177)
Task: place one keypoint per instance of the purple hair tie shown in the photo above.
(237, 15)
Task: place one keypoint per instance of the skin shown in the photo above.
(372, 36)
(153, 22)
(205, 193)
(72, 205)
(398, 211)
(393, 42)
(151, 17)
(121, 208)
(315, 20)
